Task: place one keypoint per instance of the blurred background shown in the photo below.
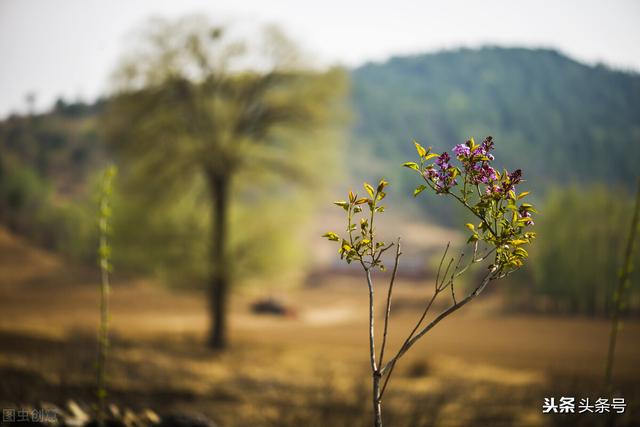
(234, 126)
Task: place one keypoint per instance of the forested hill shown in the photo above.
(558, 119)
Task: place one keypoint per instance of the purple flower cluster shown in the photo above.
(475, 159)
(442, 174)
(477, 170)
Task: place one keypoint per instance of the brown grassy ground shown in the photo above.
(479, 367)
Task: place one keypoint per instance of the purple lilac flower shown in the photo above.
(461, 150)
(487, 174)
(443, 160)
(430, 173)
(488, 144)
(442, 176)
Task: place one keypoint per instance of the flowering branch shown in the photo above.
(503, 227)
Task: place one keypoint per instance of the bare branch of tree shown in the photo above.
(491, 275)
(388, 307)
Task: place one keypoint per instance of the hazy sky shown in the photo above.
(69, 47)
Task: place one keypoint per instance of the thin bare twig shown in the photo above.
(388, 307)
(444, 255)
(491, 275)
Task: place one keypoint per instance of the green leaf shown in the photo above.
(412, 165)
(421, 150)
(419, 189)
(331, 236)
(470, 226)
(342, 204)
(431, 156)
(369, 189)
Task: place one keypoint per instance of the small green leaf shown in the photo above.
(369, 189)
(431, 156)
(331, 236)
(412, 165)
(421, 150)
(470, 226)
(342, 204)
(419, 189)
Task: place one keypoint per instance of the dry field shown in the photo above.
(479, 367)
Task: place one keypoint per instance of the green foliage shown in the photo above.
(63, 148)
(360, 244)
(199, 136)
(582, 236)
(29, 207)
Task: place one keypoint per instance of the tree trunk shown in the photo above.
(219, 277)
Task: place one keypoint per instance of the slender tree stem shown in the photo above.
(377, 406)
(104, 255)
(372, 343)
(377, 402)
(388, 307)
(103, 338)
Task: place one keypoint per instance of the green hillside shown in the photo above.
(558, 119)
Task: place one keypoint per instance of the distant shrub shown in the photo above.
(28, 208)
(583, 232)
